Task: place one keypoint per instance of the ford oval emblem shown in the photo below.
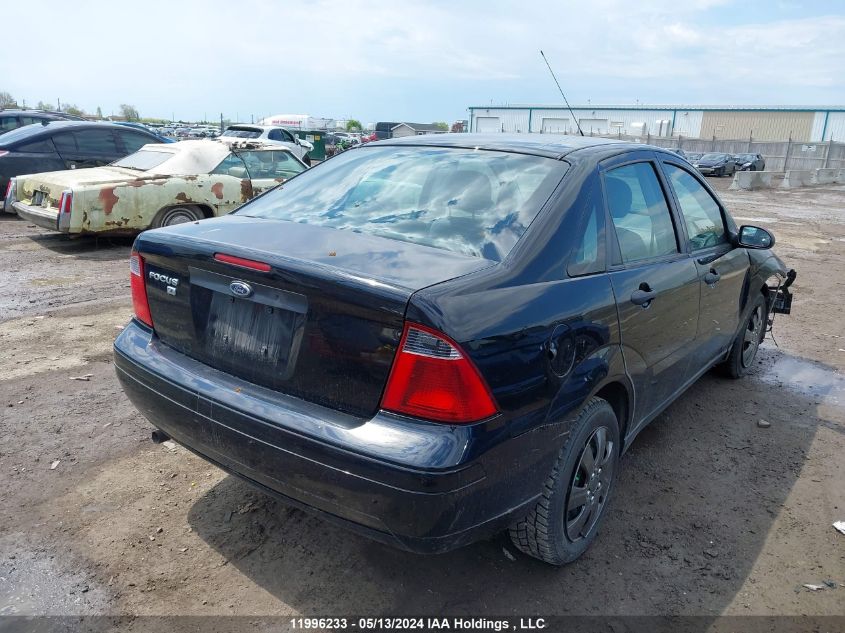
(240, 289)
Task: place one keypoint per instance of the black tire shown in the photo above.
(171, 216)
(554, 531)
(747, 341)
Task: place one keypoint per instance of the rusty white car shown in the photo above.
(159, 185)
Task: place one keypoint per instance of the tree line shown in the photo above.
(126, 111)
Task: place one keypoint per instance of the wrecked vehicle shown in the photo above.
(159, 185)
(53, 145)
(433, 339)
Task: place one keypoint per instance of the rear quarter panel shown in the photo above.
(132, 205)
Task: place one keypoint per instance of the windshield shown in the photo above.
(467, 201)
(714, 157)
(143, 160)
(242, 132)
(747, 157)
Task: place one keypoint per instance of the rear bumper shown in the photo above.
(418, 486)
(45, 218)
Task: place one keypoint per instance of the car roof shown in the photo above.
(35, 131)
(202, 155)
(547, 145)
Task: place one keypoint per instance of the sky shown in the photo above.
(418, 60)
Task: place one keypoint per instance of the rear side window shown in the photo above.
(96, 142)
(701, 212)
(467, 201)
(132, 141)
(36, 147)
(640, 214)
(588, 257)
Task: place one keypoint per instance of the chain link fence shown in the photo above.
(779, 155)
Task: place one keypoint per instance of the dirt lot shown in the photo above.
(713, 514)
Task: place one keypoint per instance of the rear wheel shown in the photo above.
(747, 342)
(171, 216)
(565, 520)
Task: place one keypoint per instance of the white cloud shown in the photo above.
(373, 58)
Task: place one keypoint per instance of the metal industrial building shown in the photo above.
(762, 123)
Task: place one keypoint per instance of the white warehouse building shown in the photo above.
(762, 123)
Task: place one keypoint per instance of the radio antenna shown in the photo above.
(580, 131)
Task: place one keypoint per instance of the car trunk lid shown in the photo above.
(321, 323)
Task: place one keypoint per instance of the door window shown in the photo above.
(29, 120)
(65, 143)
(275, 135)
(96, 142)
(232, 165)
(640, 214)
(8, 123)
(701, 212)
(271, 165)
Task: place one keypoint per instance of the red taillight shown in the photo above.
(139, 289)
(65, 202)
(432, 379)
(9, 187)
(243, 263)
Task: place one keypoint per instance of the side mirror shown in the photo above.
(754, 237)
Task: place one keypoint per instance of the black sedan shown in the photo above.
(57, 145)
(433, 339)
(13, 119)
(749, 162)
(716, 164)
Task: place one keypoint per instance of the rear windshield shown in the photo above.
(467, 201)
(242, 132)
(143, 159)
(713, 156)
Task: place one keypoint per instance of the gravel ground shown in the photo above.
(712, 514)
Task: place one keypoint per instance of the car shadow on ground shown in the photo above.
(91, 247)
(698, 493)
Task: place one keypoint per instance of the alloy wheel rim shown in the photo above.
(590, 486)
(751, 337)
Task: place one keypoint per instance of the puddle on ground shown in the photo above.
(807, 378)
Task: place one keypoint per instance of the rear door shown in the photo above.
(87, 148)
(722, 269)
(655, 282)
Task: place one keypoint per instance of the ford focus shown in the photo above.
(433, 340)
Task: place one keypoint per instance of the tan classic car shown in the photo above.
(159, 185)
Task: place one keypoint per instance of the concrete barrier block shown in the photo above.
(797, 178)
(825, 176)
(750, 180)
